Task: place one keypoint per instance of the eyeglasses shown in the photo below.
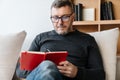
(64, 18)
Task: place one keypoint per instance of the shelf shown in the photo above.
(108, 22)
(75, 23)
(102, 22)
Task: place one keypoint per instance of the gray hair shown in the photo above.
(61, 3)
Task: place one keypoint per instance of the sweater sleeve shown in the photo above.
(94, 69)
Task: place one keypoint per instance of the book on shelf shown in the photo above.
(110, 10)
(31, 59)
(84, 14)
(103, 17)
(89, 14)
(78, 11)
(104, 12)
(107, 12)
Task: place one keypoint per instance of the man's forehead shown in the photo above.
(61, 10)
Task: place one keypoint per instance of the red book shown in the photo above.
(31, 59)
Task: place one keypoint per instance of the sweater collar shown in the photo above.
(53, 32)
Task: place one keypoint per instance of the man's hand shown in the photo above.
(67, 69)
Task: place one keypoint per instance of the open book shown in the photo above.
(31, 59)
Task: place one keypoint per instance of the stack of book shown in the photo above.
(84, 14)
(107, 11)
(78, 11)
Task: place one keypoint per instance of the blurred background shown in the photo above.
(33, 16)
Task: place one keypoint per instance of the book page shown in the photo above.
(33, 52)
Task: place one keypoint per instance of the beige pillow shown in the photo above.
(107, 42)
(10, 46)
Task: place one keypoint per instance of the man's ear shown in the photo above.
(73, 16)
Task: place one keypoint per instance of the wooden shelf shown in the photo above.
(102, 22)
(75, 23)
(108, 22)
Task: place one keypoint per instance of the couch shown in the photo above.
(11, 45)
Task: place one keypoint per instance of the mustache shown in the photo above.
(61, 26)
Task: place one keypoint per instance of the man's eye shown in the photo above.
(55, 17)
(65, 17)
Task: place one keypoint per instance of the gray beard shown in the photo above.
(63, 33)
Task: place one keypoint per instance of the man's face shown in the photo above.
(62, 19)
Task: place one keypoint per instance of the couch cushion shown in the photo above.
(107, 42)
(10, 46)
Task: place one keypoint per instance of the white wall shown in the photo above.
(29, 15)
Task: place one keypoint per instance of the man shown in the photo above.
(83, 62)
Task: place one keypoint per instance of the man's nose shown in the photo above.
(60, 21)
